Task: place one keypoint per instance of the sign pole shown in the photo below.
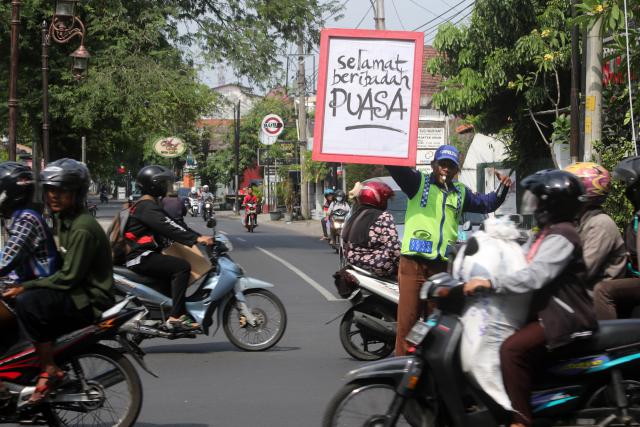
(302, 129)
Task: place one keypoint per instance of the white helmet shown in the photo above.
(205, 188)
(193, 190)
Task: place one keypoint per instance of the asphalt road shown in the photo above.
(208, 382)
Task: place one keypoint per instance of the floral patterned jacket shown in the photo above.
(382, 253)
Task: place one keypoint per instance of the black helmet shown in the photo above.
(154, 180)
(552, 196)
(628, 171)
(16, 186)
(339, 195)
(67, 174)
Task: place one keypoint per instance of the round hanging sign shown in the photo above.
(272, 125)
(170, 147)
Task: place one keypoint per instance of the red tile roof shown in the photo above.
(429, 84)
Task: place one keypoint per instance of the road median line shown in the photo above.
(317, 286)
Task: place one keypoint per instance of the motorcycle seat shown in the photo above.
(610, 334)
(125, 272)
(373, 276)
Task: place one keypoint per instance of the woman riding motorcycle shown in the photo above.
(147, 227)
(339, 204)
(616, 298)
(561, 308)
(328, 199)
(370, 235)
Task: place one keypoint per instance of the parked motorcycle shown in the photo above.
(591, 382)
(251, 216)
(253, 318)
(336, 222)
(368, 328)
(102, 386)
(104, 197)
(207, 210)
(194, 206)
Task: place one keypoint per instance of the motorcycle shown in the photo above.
(93, 209)
(104, 197)
(336, 222)
(251, 217)
(194, 206)
(101, 385)
(207, 210)
(252, 317)
(368, 328)
(591, 382)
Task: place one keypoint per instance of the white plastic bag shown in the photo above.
(491, 318)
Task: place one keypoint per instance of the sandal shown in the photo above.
(183, 323)
(51, 383)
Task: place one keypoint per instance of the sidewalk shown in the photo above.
(310, 227)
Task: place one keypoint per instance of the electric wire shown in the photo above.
(439, 16)
(436, 28)
(422, 7)
(365, 15)
(430, 29)
(393, 3)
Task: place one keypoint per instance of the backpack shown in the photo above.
(119, 246)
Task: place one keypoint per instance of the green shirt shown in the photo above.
(87, 269)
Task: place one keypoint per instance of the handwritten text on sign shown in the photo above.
(368, 97)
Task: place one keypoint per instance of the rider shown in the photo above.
(147, 227)
(370, 235)
(75, 295)
(205, 195)
(560, 304)
(616, 297)
(603, 250)
(434, 209)
(328, 199)
(249, 198)
(339, 204)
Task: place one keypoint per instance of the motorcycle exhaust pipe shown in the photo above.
(379, 328)
(145, 330)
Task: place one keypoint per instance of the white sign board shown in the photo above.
(433, 137)
(368, 97)
(272, 125)
(425, 157)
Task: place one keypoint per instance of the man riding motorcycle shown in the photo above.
(328, 199)
(206, 196)
(148, 225)
(75, 295)
(617, 298)
(249, 198)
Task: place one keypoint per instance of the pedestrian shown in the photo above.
(434, 210)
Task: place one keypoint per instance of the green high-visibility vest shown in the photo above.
(431, 220)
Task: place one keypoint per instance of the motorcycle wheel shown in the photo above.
(604, 397)
(337, 243)
(111, 379)
(356, 341)
(271, 321)
(366, 404)
(251, 223)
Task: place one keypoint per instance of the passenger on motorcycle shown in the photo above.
(617, 298)
(435, 207)
(249, 198)
(370, 235)
(603, 250)
(339, 204)
(175, 207)
(30, 251)
(147, 229)
(555, 273)
(76, 294)
(328, 199)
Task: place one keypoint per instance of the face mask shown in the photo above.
(339, 199)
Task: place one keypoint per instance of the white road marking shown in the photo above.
(241, 239)
(317, 286)
(223, 232)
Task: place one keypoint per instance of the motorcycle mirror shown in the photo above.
(211, 223)
(466, 226)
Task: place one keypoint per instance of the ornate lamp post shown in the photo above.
(65, 25)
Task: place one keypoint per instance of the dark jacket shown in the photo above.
(148, 226)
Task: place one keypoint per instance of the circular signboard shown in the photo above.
(169, 147)
(272, 125)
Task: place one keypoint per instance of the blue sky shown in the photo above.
(399, 15)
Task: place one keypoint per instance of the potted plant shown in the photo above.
(289, 199)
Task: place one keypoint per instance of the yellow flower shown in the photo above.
(598, 9)
(511, 85)
(546, 33)
(548, 57)
(534, 31)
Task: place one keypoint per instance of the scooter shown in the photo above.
(592, 382)
(93, 209)
(251, 217)
(194, 206)
(253, 318)
(336, 223)
(104, 197)
(101, 387)
(368, 328)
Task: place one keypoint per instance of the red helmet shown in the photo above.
(375, 193)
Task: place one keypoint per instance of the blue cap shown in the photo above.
(448, 152)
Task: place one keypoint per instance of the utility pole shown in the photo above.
(302, 129)
(84, 150)
(574, 147)
(593, 89)
(236, 139)
(13, 78)
(379, 15)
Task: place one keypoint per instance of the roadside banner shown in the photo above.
(368, 97)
